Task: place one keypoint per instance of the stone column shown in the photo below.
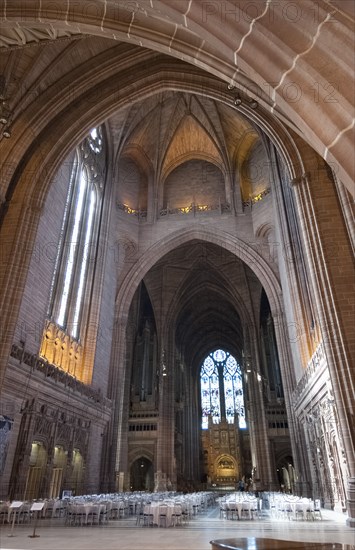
(258, 426)
(346, 201)
(288, 382)
(298, 306)
(20, 466)
(166, 426)
(237, 196)
(145, 362)
(115, 441)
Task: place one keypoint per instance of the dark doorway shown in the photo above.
(142, 477)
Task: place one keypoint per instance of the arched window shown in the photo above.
(69, 305)
(221, 378)
(77, 251)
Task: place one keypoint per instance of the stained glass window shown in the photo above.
(221, 377)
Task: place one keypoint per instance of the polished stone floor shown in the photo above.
(123, 534)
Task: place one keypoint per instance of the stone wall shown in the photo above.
(37, 293)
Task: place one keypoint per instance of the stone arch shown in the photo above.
(135, 153)
(135, 454)
(226, 461)
(226, 241)
(141, 472)
(141, 465)
(196, 181)
(42, 156)
(187, 157)
(181, 300)
(264, 230)
(132, 183)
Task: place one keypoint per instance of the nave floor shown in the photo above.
(123, 534)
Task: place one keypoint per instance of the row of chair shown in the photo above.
(302, 509)
(87, 514)
(163, 515)
(247, 509)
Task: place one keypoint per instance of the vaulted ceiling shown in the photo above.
(170, 128)
(207, 298)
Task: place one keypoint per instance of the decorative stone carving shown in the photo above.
(63, 435)
(320, 423)
(42, 428)
(62, 350)
(221, 448)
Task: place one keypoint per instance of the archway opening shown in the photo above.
(59, 464)
(142, 475)
(38, 460)
(77, 472)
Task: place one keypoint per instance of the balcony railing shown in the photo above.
(140, 214)
(195, 209)
(256, 198)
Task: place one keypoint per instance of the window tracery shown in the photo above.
(221, 379)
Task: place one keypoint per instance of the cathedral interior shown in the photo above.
(177, 245)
